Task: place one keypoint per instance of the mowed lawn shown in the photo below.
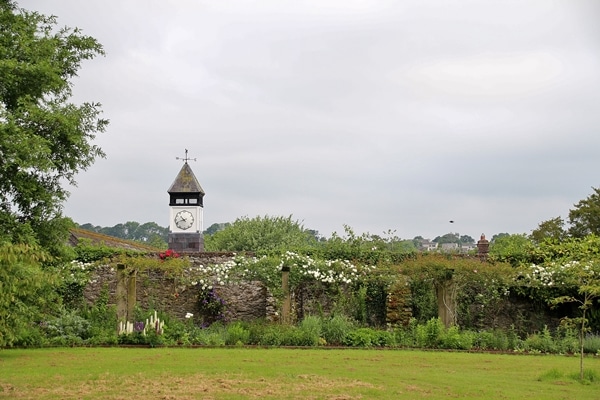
(240, 373)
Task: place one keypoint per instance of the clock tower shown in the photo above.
(186, 207)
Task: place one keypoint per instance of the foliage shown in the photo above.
(591, 344)
(149, 232)
(368, 337)
(496, 339)
(216, 227)
(336, 328)
(74, 277)
(26, 290)
(267, 269)
(571, 274)
(423, 300)
(586, 278)
(365, 249)
(87, 252)
(141, 262)
(103, 319)
(236, 334)
(569, 249)
(260, 235)
(475, 285)
(45, 139)
(512, 249)
(372, 294)
(212, 307)
(311, 328)
(552, 230)
(447, 238)
(67, 329)
(149, 331)
(498, 236)
(584, 218)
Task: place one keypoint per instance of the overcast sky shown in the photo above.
(381, 115)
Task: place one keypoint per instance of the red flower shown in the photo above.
(168, 254)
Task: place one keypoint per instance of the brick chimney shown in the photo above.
(483, 248)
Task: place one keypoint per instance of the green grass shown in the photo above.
(240, 373)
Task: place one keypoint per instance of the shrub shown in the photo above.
(365, 337)
(336, 328)
(452, 338)
(384, 339)
(591, 343)
(67, 329)
(212, 307)
(403, 337)
(236, 334)
(214, 335)
(541, 341)
(566, 341)
(428, 335)
(496, 339)
(103, 319)
(272, 335)
(177, 332)
(293, 336)
(310, 327)
(31, 335)
(423, 300)
(214, 339)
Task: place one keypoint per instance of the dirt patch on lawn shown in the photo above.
(195, 387)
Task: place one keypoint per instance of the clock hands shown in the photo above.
(184, 219)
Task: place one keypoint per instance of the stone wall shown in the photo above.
(245, 301)
(154, 289)
(251, 300)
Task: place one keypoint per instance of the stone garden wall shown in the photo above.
(154, 289)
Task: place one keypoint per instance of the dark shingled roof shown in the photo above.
(186, 182)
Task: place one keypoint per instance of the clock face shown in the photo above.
(184, 219)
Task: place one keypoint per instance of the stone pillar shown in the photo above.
(286, 309)
(483, 248)
(125, 293)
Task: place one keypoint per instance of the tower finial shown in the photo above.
(186, 158)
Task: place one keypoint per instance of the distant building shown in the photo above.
(427, 245)
(449, 247)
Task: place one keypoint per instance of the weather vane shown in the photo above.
(186, 158)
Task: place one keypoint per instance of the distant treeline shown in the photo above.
(149, 232)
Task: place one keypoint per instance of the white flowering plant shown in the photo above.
(568, 272)
(74, 276)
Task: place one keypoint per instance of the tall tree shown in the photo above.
(466, 239)
(261, 234)
(447, 238)
(551, 229)
(45, 139)
(26, 289)
(585, 217)
(498, 236)
(513, 249)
